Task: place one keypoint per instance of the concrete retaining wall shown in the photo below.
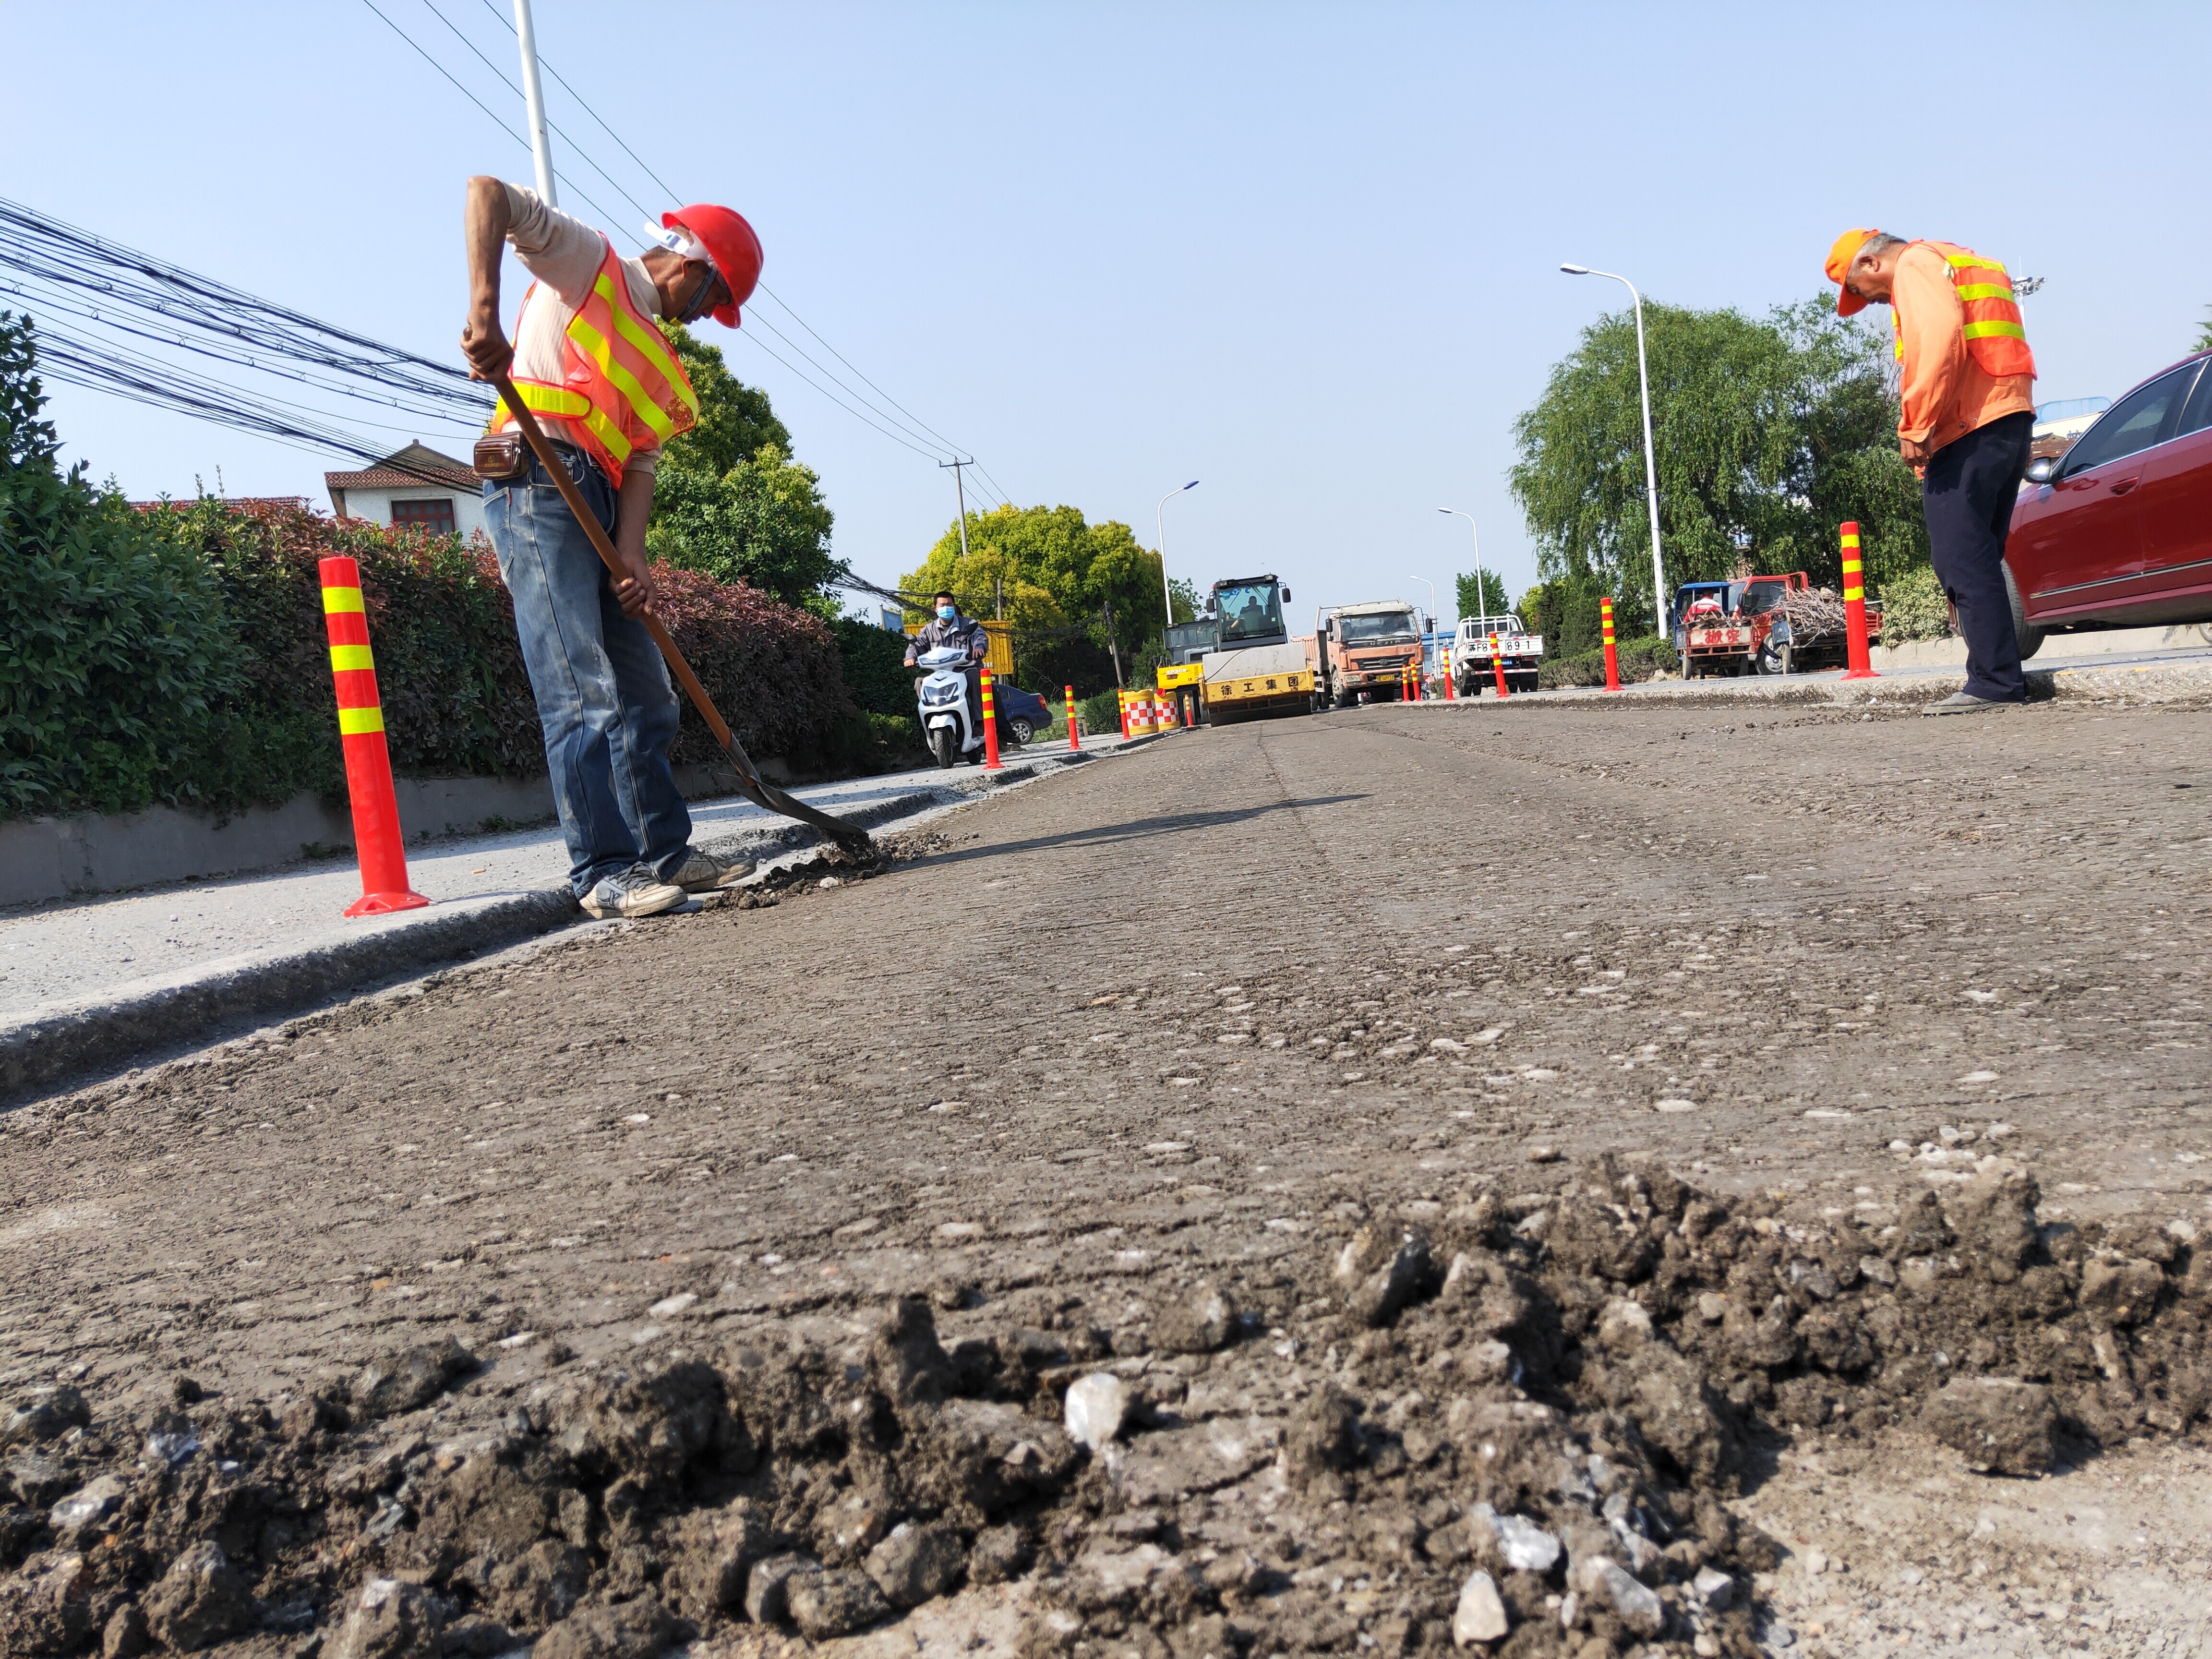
(50, 858)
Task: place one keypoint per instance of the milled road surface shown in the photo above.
(1167, 1012)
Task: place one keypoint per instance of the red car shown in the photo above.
(2117, 532)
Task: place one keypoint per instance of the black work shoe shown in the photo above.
(1964, 703)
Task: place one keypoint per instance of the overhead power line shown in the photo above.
(422, 52)
(147, 331)
(890, 411)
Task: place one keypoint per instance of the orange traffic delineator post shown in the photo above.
(1189, 699)
(1855, 623)
(1497, 668)
(1450, 691)
(990, 727)
(1612, 657)
(376, 832)
(1123, 699)
(1073, 740)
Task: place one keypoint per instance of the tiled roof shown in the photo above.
(385, 477)
(411, 468)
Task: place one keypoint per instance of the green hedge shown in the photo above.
(178, 653)
(1638, 661)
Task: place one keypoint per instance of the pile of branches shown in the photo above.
(1814, 613)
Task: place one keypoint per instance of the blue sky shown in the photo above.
(1306, 254)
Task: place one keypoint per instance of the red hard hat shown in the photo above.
(736, 251)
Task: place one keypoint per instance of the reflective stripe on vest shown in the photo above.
(1992, 315)
(624, 391)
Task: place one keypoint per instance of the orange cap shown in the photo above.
(1839, 266)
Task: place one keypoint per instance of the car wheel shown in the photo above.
(2030, 638)
(1021, 729)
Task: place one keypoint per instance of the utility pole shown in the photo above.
(1112, 648)
(961, 490)
(541, 152)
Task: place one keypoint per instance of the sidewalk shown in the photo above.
(102, 979)
(2066, 668)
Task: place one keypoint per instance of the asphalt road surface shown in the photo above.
(1168, 1012)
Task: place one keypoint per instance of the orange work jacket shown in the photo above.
(1996, 339)
(1959, 337)
(624, 390)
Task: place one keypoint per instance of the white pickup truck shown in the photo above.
(1520, 653)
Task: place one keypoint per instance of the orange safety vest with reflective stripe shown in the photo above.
(624, 389)
(1996, 339)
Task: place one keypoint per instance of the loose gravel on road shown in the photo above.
(1526, 1180)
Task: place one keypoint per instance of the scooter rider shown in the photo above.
(949, 628)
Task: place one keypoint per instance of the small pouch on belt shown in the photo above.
(503, 454)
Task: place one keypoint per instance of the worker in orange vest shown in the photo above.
(1964, 425)
(591, 362)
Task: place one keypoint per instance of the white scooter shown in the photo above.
(945, 726)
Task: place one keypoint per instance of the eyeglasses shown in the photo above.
(704, 300)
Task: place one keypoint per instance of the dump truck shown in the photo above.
(1520, 654)
(1253, 668)
(1360, 653)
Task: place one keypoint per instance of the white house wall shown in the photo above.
(375, 505)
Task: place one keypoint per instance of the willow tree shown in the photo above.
(1768, 432)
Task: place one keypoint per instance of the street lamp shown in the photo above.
(1159, 523)
(1431, 586)
(1481, 599)
(1650, 465)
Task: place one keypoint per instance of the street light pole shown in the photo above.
(1160, 524)
(541, 152)
(1651, 463)
(1481, 599)
(1431, 586)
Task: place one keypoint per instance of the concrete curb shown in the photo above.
(60, 1041)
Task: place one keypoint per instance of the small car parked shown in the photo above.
(1022, 714)
(2117, 532)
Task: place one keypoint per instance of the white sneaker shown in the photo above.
(702, 873)
(635, 892)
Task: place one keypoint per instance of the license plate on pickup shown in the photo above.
(1509, 645)
(1719, 639)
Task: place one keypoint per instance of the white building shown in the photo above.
(416, 488)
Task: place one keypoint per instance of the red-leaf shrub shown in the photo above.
(772, 670)
(457, 700)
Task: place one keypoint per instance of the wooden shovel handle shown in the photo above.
(535, 436)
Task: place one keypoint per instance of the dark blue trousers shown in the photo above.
(1967, 494)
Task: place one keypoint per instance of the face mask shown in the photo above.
(945, 612)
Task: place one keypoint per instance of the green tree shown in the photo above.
(763, 523)
(1490, 602)
(731, 502)
(1768, 435)
(735, 420)
(1082, 598)
(2204, 333)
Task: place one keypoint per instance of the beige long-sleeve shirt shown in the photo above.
(1945, 394)
(565, 254)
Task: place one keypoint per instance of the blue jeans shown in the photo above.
(604, 695)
